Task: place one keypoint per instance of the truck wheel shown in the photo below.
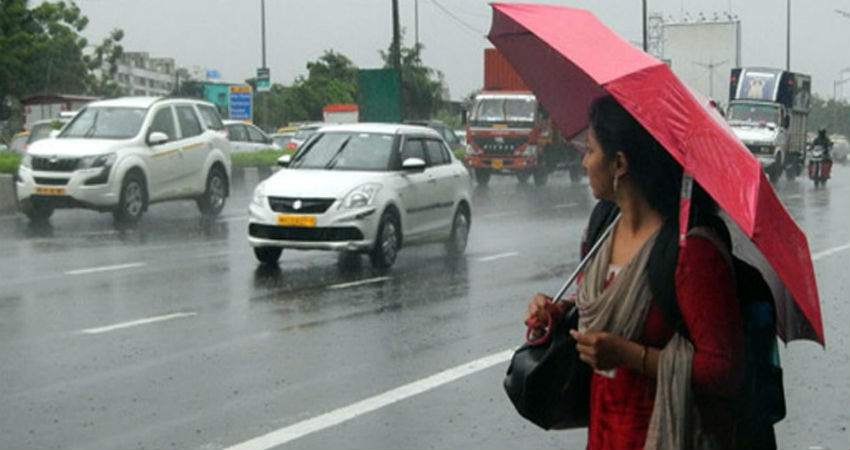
(774, 172)
(523, 177)
(791, 173)
(541, 176)
(133, 200)
(268, 255)
(482, 176)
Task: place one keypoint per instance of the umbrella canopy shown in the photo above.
(569, 58)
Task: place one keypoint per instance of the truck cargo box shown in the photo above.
(771, 85)
(499, 75)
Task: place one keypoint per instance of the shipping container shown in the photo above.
(499, 75)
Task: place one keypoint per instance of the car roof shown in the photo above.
(383, 128)
(143, 102)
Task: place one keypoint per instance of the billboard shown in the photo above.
(702, 54)
(379, 95)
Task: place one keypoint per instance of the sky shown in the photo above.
(225, 34)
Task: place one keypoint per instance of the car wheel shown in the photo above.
(133, 200)
(541, 176)
(774, 172)
(212, 201)
(38, 213)
(482, 176)
(387, 241)
(459, 236)
(523, 177)
(268, 255)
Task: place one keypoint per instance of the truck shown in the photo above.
(509, 133)
(768, 110)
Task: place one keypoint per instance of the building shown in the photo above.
(141, 75)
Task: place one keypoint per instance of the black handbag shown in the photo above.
(546, 381)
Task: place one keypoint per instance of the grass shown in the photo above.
(260, 158)
(9, 162)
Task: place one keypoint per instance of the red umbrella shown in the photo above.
(569, 58)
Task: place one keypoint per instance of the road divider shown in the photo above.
(105, 268)
(338, 416)
(135, 323)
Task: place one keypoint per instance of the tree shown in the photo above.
(104, 65)
(422, 88)
(831, 114)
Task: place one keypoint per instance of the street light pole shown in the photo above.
(788, 35)
(416, 19)
(645, 43)
(263, 32)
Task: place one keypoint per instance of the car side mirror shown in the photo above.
(413, 165)
(157, 138)
(284, 160)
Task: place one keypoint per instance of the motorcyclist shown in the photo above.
(823, 140)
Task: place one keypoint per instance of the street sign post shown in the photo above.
(263, 79)
(240, 106)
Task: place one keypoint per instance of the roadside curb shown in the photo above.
(8, 200)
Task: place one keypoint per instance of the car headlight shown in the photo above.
(530, 150)
(26, 161)
(97, 161)
(361, 196)
(259, 198)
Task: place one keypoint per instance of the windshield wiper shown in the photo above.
(336, 154)
(93, 128)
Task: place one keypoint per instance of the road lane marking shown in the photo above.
(358, 283)
(105, 268)
(136, 323)
(565, 205)
(830, 251)
(344, 414)
(498, 256)
(504, 214)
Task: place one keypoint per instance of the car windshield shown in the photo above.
(106, 123)
(749, 112)
(516, 109)
(346, 151)
(40, 131)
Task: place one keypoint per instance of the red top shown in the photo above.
(620, 407)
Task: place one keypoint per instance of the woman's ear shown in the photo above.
(621, 164)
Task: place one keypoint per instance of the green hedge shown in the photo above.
(260, 158)
(9, 161)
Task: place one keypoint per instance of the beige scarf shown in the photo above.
(621, 309)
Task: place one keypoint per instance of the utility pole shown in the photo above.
(395, 54)
(416, 19)
(788, 35)
(643, 15)
(263, 32)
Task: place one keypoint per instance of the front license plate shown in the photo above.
(497, 164)
(292, 220)
(49, 191)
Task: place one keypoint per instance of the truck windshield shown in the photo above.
(105, 123)
(750, 112)
(517, 109)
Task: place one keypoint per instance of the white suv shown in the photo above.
(121, 155)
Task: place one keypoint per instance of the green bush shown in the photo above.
(260, 158)
(9, 162)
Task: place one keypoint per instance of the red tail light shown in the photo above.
(291, 146)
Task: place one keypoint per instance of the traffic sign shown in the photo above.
(263, 79)
(241, 102)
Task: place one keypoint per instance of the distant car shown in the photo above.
(365, 188)
(44, 128)
(461, 134)
(302, 134)
(18, 143)
(445, 131)
(245, 137)
(282, 140)
(840, 148)
(123, 154)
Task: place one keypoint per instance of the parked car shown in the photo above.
(363, 188)
(18, 143)
(245, 137)
(121, 155)
(302, 134)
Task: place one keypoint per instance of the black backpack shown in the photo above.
(761, 401)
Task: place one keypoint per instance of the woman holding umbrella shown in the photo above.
(648, 381)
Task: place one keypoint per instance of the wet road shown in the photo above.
(171, 336)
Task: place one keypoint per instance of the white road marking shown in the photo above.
(565, 205)
(830, 251)
(358, 283)
(793, 196)
(498, 256)
(135, 323)
(504, 214)
(338, 416)
(105, 268)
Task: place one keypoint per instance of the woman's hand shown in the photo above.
(536, 315)
(604, 351)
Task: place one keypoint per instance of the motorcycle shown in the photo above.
(820, 165)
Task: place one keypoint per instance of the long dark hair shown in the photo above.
(651, 168)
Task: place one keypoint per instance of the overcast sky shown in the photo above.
(225, 34)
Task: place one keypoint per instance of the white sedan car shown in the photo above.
(365, 188)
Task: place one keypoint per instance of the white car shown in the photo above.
(245, 137)
(365, 188)
(123, 154)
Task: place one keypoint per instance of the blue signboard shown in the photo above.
(240, 103)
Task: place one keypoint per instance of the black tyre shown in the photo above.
(212, 201)
(774, 172)
(133, 200)
(541, 176)
(456, 244)
(267, 255)
(523, 177)
(387, 241)
(482, 176)
(36, 212)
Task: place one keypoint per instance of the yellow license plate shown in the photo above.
(497, 164)
(292, 220)
(49, 191)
